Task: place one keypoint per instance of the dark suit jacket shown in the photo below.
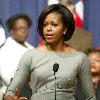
(80, 96)
(81, 39)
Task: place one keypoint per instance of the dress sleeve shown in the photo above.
(85, 78)
(21, 75)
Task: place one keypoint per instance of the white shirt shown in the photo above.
(10, 55)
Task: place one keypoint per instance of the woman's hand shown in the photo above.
(16, 97)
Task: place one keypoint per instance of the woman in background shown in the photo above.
(14, 47)
(94, 57)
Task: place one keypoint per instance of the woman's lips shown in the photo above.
(49, 36)
(93, 67)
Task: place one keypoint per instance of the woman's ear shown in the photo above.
(64, 33)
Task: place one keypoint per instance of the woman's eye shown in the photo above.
(45, 24)
(54, 24)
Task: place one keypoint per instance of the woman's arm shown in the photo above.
(85, 79)
(20, 77)
(15, 97)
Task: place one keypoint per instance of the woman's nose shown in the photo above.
(49, 28)
(92, 63)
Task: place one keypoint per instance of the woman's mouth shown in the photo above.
(93, 67)
(49, 36)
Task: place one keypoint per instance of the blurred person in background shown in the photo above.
(81, 38)
(2, 41)
(14, 47)
(2, 34)
(94, 58)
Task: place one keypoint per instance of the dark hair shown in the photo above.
(92, 50)
(66, 17)
(11, 21)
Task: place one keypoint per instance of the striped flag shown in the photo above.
(79, 6)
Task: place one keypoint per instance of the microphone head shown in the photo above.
(55, 67)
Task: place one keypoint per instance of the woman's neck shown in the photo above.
(21, 43)
(61, 47)
(56, 47)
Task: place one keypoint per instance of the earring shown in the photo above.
(64, 33)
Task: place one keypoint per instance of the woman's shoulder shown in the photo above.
(41, 48)
(34, 51)
(30, 52)
(74, 51)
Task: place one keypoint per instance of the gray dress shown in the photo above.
(39, 64)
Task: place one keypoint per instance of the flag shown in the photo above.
(2, 34)
(79, 6)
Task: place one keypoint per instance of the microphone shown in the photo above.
(55, 69)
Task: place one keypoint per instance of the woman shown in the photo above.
(18, 25)
(56, 26)
(94, 58)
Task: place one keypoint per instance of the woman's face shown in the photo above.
(53, 28)
(20, 30)
(95, 62)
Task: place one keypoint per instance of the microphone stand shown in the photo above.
(55, 85)
(55, 69)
